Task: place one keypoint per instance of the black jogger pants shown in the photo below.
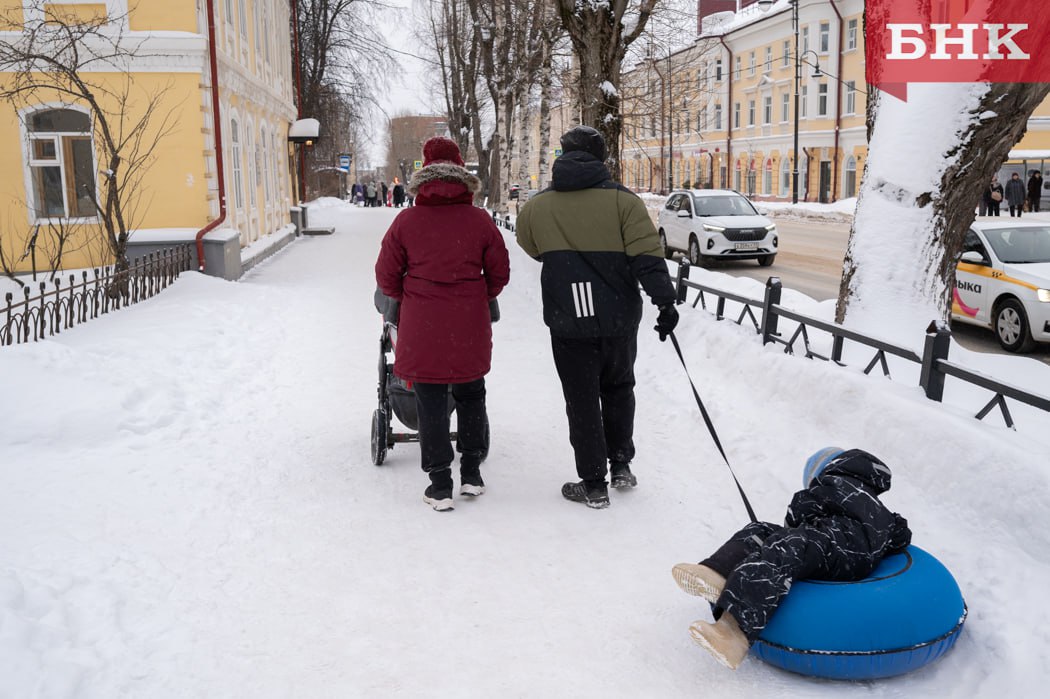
(432, 407)
(597, 379)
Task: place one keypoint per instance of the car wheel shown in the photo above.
(668, 253)
(1011, 327)
(766, 260)
(695, 258)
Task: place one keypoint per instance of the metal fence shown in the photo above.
(933, 362)
(64, 305)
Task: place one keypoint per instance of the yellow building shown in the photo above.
(727, 118)
(50, 142)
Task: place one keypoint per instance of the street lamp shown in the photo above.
(798, 78)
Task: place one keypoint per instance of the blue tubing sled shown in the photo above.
(907, 613)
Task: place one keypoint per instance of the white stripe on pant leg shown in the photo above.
(576, 299)
(590, 300)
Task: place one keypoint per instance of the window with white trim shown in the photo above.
(825, 37)
(851, 96)
(736, 115)
(61, 164)
(718, 117)
(751, 64)
(751, 112)
(242, 15)
(805, 40)
(785, 176)
(235, 161)
(718, 70)
(767, 109)
(851, 35)
(769, 59)
(785, 106)
(767, 178)
(803, 102)
(822, 99)
(267, 166)
(253, 164)
(786, 58)
(849, 182)
(701, 120)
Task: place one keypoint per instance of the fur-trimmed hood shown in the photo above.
(443, 172)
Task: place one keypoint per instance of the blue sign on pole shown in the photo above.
(344, 162)
(557, 152)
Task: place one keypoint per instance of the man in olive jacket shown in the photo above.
(597, 243)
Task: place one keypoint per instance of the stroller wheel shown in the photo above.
(380, 422)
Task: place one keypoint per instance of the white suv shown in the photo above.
(1003, 281)
(716, 224)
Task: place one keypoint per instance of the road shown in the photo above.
(810, 261)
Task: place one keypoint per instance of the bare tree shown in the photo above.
(600, 34)
(86, 61)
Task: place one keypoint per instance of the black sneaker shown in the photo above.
(620, 475)
(470, 483)
(440, 500)
(596, 496)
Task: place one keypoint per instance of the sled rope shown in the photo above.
(711, 428)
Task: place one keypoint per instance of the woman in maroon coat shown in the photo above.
(444, 260)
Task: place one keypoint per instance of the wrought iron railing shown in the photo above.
(933, 362)
(69, 303)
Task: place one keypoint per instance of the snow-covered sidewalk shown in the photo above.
(188, 508)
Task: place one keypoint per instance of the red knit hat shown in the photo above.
(441, 150)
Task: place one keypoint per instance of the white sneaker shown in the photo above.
(471, 490)
(442, 501)
(699, 580)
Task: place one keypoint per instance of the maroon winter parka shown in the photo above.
(443, 259)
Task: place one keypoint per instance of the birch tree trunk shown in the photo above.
(917, 198)
(546, 80)
(524, 138)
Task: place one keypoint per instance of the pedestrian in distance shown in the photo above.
(399, 193)
(383, 193)
(836, 529)
(444, 260)
(993, 194)
(1035, 190)
(370, 194)
(596, 242)
(1016, 195)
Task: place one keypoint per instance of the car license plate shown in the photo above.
(745, 246)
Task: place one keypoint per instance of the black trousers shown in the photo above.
(432, 408)
(597, 380)
(762, 560)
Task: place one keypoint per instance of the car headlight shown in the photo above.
(1043, 295)
(771, 227)
(713, 228)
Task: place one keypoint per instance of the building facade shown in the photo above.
(725, 117)
(50, 141)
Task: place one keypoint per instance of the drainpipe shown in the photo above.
(216, 118)
(729, 108)
(298, 96)
(838, 108)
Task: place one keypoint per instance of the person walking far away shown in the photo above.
(444, 260)
(836, 529)
(993, 194)
(596, 242)
(1035, 190)
(1016, 195)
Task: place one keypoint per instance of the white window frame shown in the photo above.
(803, 106)
(736, 115)
(253, 164)
(824, 37)
(767, 109)
(767, 178)
(769, 59)
(805, 40)
(851, 35)
(785, 177)
(24, 115)
(751, 112)
(823, 92)
(751, 66)
(718, 117)
(851, 97)
(785, 107)
(236, 171)
(850, 168)
(787, 54)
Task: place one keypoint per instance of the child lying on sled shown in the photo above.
(835, 529)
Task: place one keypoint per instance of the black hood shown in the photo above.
(577, 170)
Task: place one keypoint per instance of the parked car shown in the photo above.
(515, 189)
(716, 224)
(1002, 282)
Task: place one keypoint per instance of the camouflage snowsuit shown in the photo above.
(836, 529)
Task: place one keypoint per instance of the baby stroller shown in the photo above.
(396, 397)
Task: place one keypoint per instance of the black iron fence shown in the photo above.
(69, 303)
(934, 364)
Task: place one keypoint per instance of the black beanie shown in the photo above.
(586, 139)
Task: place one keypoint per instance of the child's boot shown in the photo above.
(723, 639)
(699, 580)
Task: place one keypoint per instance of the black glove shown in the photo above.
(666, 321)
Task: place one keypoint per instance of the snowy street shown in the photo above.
(188, 507)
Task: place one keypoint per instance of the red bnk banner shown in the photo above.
(956, 41)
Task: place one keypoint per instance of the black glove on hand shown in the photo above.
(666, 321)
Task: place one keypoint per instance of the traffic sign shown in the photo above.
(417, 164)
(557, 152)
(344, 161)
